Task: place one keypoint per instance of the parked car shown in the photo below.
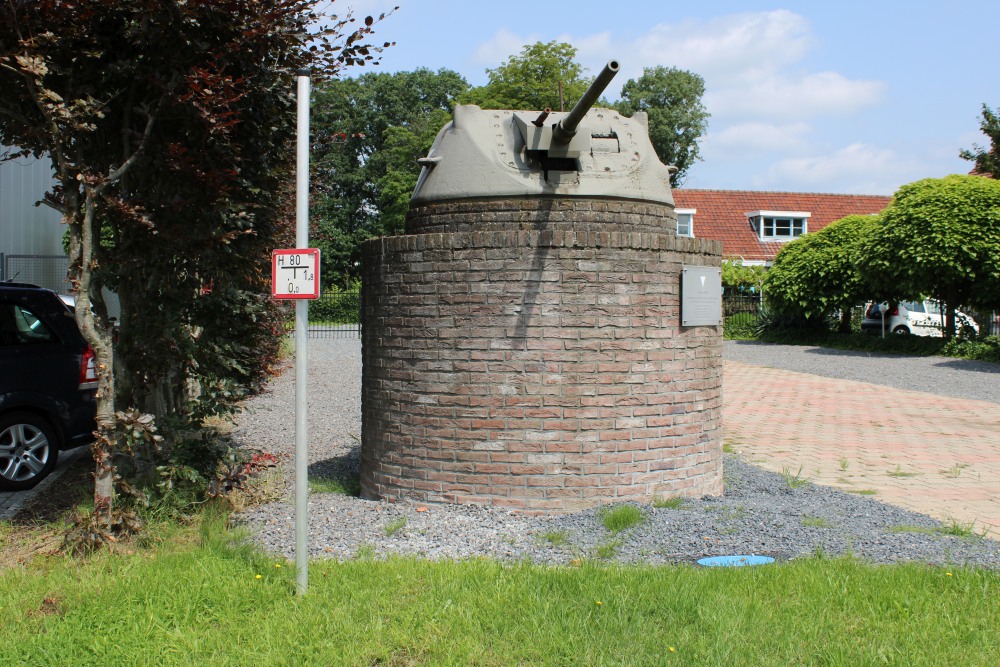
(47, 384)
(922, 318)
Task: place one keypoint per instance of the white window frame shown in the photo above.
(757, 221)
(685, 211)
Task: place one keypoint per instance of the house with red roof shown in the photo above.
(753, 226)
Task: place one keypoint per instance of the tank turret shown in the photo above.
(587, 152)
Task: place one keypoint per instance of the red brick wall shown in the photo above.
(538, 369)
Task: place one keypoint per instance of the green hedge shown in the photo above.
(336, 308)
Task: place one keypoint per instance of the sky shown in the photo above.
(852, 97)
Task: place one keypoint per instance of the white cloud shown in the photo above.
(777, 96)
(501, 46)
(857, 168)
(729, 48)
(755, 137)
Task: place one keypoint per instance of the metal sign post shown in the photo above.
(295, 275)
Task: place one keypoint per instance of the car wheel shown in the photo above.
(901, 330)
(28, 450)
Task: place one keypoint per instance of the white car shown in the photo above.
(921, 318)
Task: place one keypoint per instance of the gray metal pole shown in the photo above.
(301, 345)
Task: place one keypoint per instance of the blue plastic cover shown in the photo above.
(734, 561)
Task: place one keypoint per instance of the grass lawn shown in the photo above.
(198, 598)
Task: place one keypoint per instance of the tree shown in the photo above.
(369, 132)
(818, 273)
(533, 80)
(987, 159)
(168, 125)
(940, 238)
(740, 278)
(677, 118)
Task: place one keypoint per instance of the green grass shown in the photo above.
(206, 600)
(815, 522)
(395, 526)
(899, 472)
(621, 518)
(863, 492)
(668, 503)
(556, 538)
(347, 486)
(608, 550)
(951, 528)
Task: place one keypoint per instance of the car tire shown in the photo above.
(29, 450)
(901, 330)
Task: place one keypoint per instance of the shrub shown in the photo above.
(337, 308)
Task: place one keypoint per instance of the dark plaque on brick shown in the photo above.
(701, 296)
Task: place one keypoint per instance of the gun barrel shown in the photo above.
(564, 131)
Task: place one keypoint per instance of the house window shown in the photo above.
(779, 225)
(685, 221)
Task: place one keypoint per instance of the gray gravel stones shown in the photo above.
(760, 512)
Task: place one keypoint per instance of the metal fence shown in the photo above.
(335, 314)
(734, 304)
(47, 271)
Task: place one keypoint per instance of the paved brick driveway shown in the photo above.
(933, 454)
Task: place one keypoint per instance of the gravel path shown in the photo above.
(760, 512)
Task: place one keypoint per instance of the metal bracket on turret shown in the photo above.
(540, 138)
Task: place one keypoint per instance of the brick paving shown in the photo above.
(933, 454)
(11, 502)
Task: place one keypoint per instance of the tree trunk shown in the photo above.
(82, 251)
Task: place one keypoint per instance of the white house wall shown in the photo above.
(27, 229)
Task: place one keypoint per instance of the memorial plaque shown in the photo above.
(701, 296)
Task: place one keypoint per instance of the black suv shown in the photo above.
(47, 384)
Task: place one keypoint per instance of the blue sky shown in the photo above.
(852, 97)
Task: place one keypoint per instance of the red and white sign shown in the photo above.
(295, 273)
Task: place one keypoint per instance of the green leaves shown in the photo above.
(818, 273)
(677, 118)
(940, 238)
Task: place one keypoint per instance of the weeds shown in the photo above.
(668, 503)
(844, 463)
(952, 528)
(815, 522)
(364, 552)
(556, 538)
(608, 550)
(342, 486)
(621, 518)
(957, 528)
(395, 526)
(899, 472)
(794, 481)
(955, 471)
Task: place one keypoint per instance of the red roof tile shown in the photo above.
(721, 215)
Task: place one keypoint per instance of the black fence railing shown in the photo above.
(734, 304)
(335, 314)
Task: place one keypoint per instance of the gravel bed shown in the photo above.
(760, 513)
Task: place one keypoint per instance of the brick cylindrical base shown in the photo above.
(538, 369)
